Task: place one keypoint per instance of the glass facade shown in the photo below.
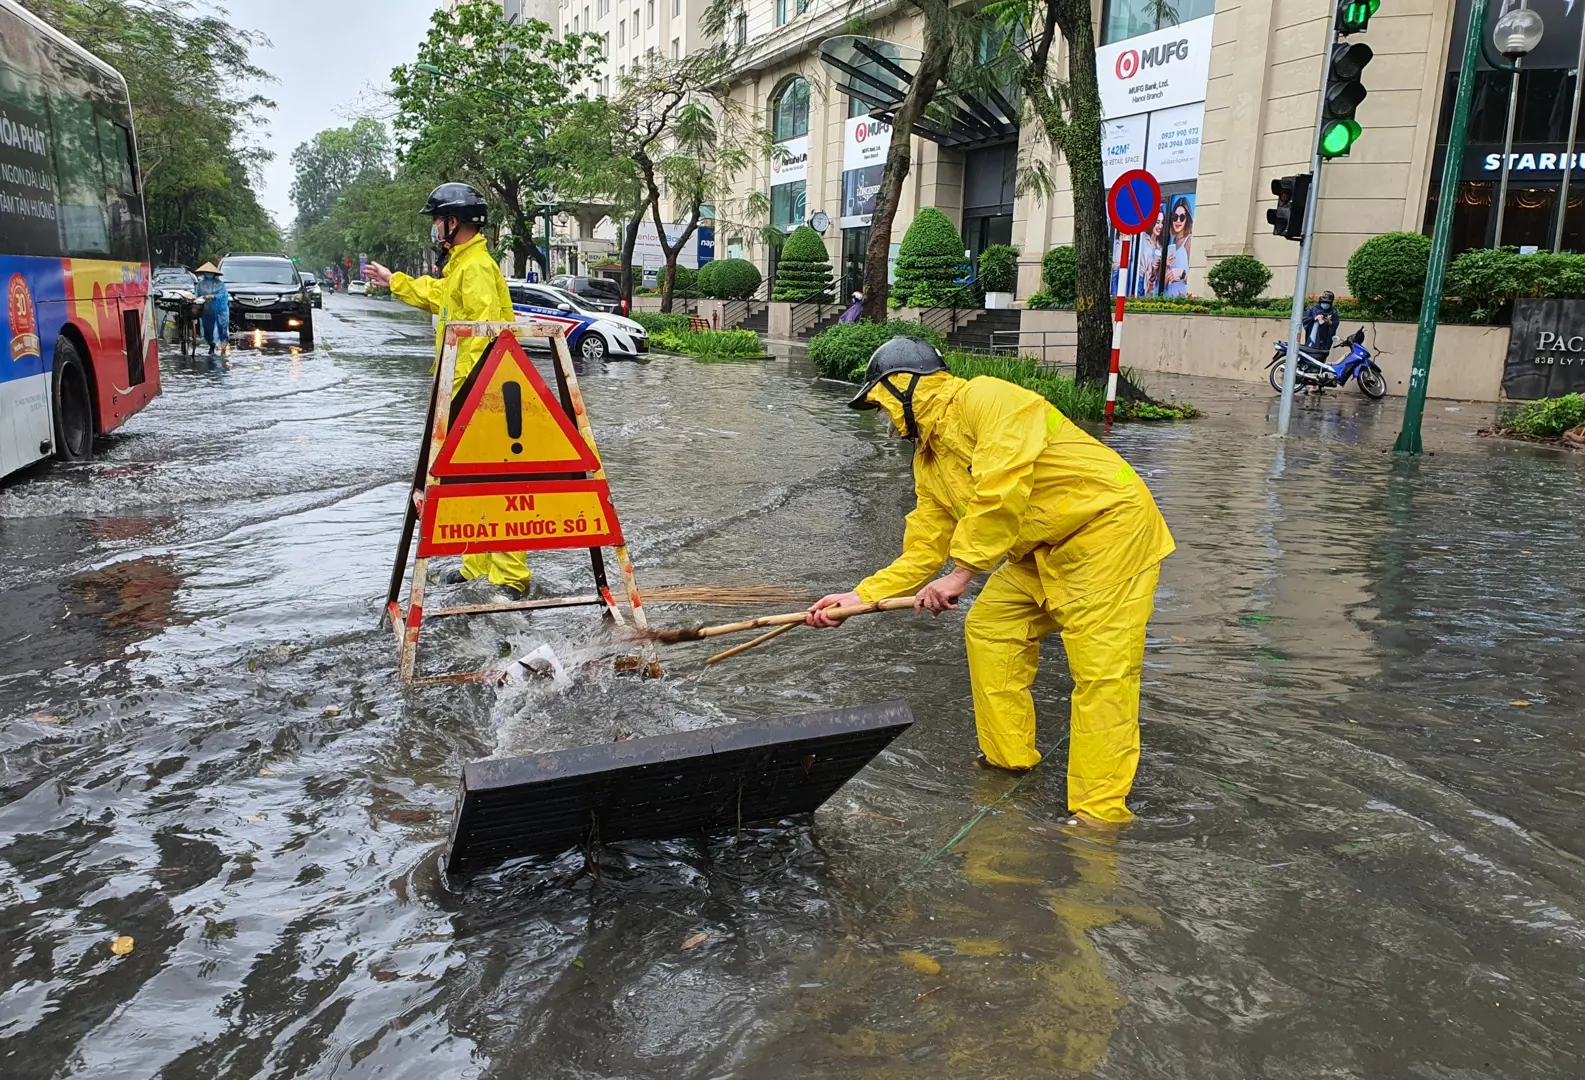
(790, 111)
(1127, 18)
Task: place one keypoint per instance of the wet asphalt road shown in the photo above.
(1359, 847)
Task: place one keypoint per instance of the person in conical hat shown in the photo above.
(216, 319)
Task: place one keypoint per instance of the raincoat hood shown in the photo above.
(931, 397)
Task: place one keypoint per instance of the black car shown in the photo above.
(601, 294)
(267, 293)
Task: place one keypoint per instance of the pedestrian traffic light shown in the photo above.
(1287, 217)
(1342, 96)
(1353, 16)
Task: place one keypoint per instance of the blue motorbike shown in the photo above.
(1313, 370)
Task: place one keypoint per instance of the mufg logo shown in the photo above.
(1129, 61)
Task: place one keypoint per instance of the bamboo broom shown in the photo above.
(699, 633)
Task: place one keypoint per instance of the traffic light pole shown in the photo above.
(1441, 236)
(1302, 275)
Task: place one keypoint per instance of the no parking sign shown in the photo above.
(1131, 204)
(1132, 201)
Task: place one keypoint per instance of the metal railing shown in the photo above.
(1052, 349)
(812, 312)
(943, 318)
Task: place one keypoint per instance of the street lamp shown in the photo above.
(1517, 34)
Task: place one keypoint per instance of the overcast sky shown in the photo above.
(330, 58)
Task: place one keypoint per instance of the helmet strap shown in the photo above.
(911, 426)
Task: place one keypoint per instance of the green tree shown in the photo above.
(483, 103)
(185, 70)
(333, 161)
(1067, 107)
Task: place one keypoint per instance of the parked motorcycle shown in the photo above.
(1313, 370)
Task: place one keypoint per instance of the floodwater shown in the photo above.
(1358, 852)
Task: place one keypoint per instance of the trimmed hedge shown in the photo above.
(843, 351)
(804, 271)
(929, 262)
(999, 269)
(729, 279)
(1386, 274)
(1239, 279)
(710, 344)
(656, 322)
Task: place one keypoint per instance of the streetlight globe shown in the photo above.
(1518, 33)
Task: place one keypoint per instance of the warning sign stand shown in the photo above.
(509, 465)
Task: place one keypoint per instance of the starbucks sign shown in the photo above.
(1546, 350)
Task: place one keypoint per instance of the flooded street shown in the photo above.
(1359, 847)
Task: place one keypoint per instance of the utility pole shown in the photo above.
(1441, 235)
(1301, 277)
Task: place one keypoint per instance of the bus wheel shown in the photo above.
(74, 408)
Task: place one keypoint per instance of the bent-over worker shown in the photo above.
(470, 289)
(1006, 483)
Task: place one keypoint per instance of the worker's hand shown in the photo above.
(817, 613)
(943, 592)
(375, 274)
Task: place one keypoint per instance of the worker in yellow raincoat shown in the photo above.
(470, 289)
(1006, 483)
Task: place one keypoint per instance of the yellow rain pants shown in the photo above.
(469, 289)
(1000, 474)
(1104, 635)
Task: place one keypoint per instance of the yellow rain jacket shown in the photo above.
(469, 289)
(1001, 473)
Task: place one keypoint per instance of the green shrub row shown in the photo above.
(1059, 280)
(710, 344)
(1549, 417)
(843, 351)
(656, 321)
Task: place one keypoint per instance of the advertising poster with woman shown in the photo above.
(1161, 264)
(1180, 234)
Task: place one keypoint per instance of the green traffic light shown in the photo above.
(1354, 16)
(1338, 136)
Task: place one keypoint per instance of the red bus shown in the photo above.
(79, 355)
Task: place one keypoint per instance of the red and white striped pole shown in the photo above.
(1117, 330)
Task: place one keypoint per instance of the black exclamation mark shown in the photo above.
(512, 398)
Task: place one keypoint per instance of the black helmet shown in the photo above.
(900, 355)
(461, 201)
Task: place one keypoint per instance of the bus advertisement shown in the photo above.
(79, 354)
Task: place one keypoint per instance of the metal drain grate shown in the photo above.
(669, 785)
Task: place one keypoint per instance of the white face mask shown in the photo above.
(434, 230)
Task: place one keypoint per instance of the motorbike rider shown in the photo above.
(1320, 323)
(469, 289)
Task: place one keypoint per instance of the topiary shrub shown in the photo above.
(729, 279)
(1386, 274)
(804, 271)
(1059, 277)
(929, 262)
(843, 351)
(1239, 279)
(687, 282)
(999, 269)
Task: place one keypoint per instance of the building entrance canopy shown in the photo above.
(879, 73)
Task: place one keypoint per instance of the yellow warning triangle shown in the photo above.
(510, 424)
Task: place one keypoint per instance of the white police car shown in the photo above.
(593, 335)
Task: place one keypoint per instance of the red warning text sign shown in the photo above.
(470, 519)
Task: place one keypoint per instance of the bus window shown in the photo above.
(27, 170)
(115, 146)
(85, 228)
